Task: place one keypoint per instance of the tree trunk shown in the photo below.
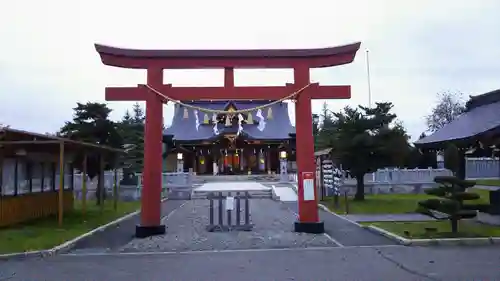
(336, 201)
(454, 224)
(100, 192)
(360, 188)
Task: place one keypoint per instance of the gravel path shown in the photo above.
(273, 228)
(346, 232)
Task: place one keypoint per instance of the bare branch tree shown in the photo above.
(450, 105)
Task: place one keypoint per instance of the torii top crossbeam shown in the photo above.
(268, 58)
(227, 59)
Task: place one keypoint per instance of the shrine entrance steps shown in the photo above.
(254, 189)
(201, 179)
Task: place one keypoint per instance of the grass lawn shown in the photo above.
(491, 182)
(45, 233)
(417, 230)
(391, 203)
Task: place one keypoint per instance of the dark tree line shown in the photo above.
(91, 124)
(365, 139)
(131, 128)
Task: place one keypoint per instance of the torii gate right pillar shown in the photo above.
(308, 205)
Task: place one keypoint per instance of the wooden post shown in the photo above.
(1, 180)
(101, 183)
(268, 159)
(84, 184)
(115, 189)
(61, 183)
(346, 203)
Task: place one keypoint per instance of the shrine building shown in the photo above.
(210, 142)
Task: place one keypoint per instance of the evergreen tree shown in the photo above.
(132, 131)
(326, 128)
(428, 159)
(127, 118)
(452, 193)
(364, 139)
(315, 128)
(139, 117)
(91, 124)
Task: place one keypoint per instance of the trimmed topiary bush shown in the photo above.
(452, 192)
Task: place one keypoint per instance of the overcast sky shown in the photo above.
(417, 48)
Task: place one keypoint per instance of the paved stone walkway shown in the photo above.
(186, 231)
(487, 187)
(116, 237)
(388, 217)
(346, 232)
(336, 264)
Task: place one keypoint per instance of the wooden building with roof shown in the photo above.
(31, 165)
(248, 143)
(477, 127)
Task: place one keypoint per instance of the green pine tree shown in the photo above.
(91, 124)
(365, 139)
(132, 131)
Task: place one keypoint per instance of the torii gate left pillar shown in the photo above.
(153, 162)
(154, 61)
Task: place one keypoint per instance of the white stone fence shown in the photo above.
(167, 179)
(92, 184)
(396, 176)
(129, 191)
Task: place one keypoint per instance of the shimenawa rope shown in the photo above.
(207, 110)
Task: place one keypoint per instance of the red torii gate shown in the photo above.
(154, 61)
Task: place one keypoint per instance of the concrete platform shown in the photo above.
(232, 186)
(285, 193)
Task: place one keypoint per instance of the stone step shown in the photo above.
(230, 178)
(201, 194)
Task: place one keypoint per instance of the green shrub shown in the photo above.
(452, 192)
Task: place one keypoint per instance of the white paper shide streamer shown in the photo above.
(240, 125)
(197, 119)
(262, 122)
(214, 120)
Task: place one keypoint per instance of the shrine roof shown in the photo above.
(184, 129)
(277, 58)
(481, 116)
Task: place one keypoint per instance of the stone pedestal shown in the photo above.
(284, 170)
(215, 168)
(180, 166)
